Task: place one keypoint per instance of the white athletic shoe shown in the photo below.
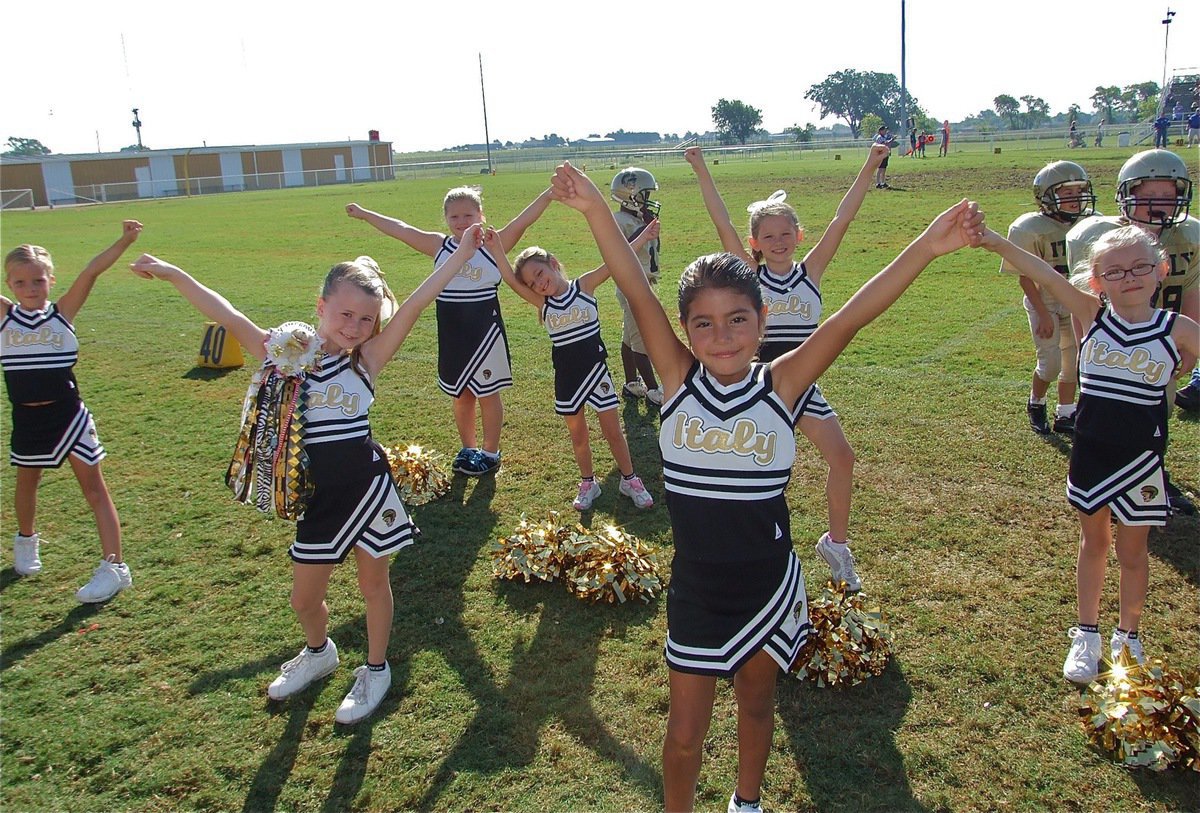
(368, 692)
(734, 807)
(108, 579)
(635, 489)
(655, 396)
(589, 490)
(26, 559)
(634, 389)
(1083, 659)
(1121, 640)
(840, 561)
(298, 674)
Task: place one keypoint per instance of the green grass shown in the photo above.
(515, 697)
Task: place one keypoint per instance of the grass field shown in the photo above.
(515, 697)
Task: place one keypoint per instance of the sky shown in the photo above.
(264, 72)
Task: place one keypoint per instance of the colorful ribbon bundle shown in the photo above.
(849, 641)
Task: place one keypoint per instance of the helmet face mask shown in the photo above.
(1159, 210)
(1064, 191)
(631, 188)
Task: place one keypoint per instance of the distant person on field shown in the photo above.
(50, 424)
(631, 188)
(1100, 133)
(1073, 138)
(944, 150)
(1193, 124)
(886, 139)
(912, 136)
(1063, 193)
(1162, 126)
(353, 506)
(473, 359)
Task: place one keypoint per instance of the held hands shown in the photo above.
(695, 157)
(492, 242)
(959, 226)
(573, 188)
(148, 266)
(472, 240)
(130, 229)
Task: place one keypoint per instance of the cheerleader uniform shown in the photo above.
(736, 584)
(793, 311)
(354, 499)
(38, 350)
(580, 370)
(472, 345)
(1121, 421)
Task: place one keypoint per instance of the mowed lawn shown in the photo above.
(520, 697)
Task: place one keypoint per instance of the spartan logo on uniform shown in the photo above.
(487, 374)
(798, 610)
(1149, 493)
(629, 181)
(389, 516)
(604, 388)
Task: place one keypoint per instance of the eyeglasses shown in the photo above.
(1118, 274)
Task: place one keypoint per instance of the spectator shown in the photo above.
(1194, 127)
(1161, 125)
(1100, 133)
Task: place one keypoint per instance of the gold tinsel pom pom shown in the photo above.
(418, 476)
(1145, 716)
(609, 565)
(848, 643)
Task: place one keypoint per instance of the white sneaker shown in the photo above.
(1083, 659)
(366, 695)
(840, 561)
(297, 674)
(108, 579)
(655, 396)
(589, 490)
(734, 807)
(635, 489)
(1122, 640)
(26, 560)
(634, 389)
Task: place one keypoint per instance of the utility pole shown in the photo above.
(903, 79)
(1166, 36)
(487, 139)
(137, 125)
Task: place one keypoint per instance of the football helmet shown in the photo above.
(1155, 165)
(631, 187)
(1064, 182)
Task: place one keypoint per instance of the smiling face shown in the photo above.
(543, 277)
(461, 214)
(1130, 291)
(776, 238)
(724, 330)
(30, 283)
(348, 317)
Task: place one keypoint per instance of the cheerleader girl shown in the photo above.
(50, 424)
(569, 311)
(1129, 352)
(354, 505)
(473, 359)
(736, 605)
(792, 294)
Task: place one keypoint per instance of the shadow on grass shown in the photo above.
(22, 649)
(551, 681)
(210, 373)
(1175, 544)
(844, 741)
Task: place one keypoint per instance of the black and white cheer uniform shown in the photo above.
(354, 499)
(793, 312)
(472, 345)
(38, 350)
(736, 584)
(580, 367)
(1121, 421)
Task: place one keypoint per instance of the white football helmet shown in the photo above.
(631, 187)
(1064, 182)
(1155, 165)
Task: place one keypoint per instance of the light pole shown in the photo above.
(1166, 36)
(903, 79)
(137, 125)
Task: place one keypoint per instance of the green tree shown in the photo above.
(802, 134)
(1008, 107)
(871, 124)
(25, 146)
(1139, 101)
(851, 95)
(1105, 101)
(1036, 111)
(735, 120)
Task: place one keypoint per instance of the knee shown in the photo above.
(304, 603)
(1049, 366)
(684, 742)
(374, 586)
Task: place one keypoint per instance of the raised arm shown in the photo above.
(1081, 304)
(511, 234)
(819, 257)
(593, 279)
(715, 205)
(210, 303)
(958, 226)
(70, 302)
(378, 351)
(670, 357)
(491, 241)
(426, 242)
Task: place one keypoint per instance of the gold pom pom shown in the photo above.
(1145, 716)
(849, 640)
(610, 566)
(418, 476)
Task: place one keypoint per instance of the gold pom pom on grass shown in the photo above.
(1145, 716)
(599, 566)
(849, 641)
(418, 476)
